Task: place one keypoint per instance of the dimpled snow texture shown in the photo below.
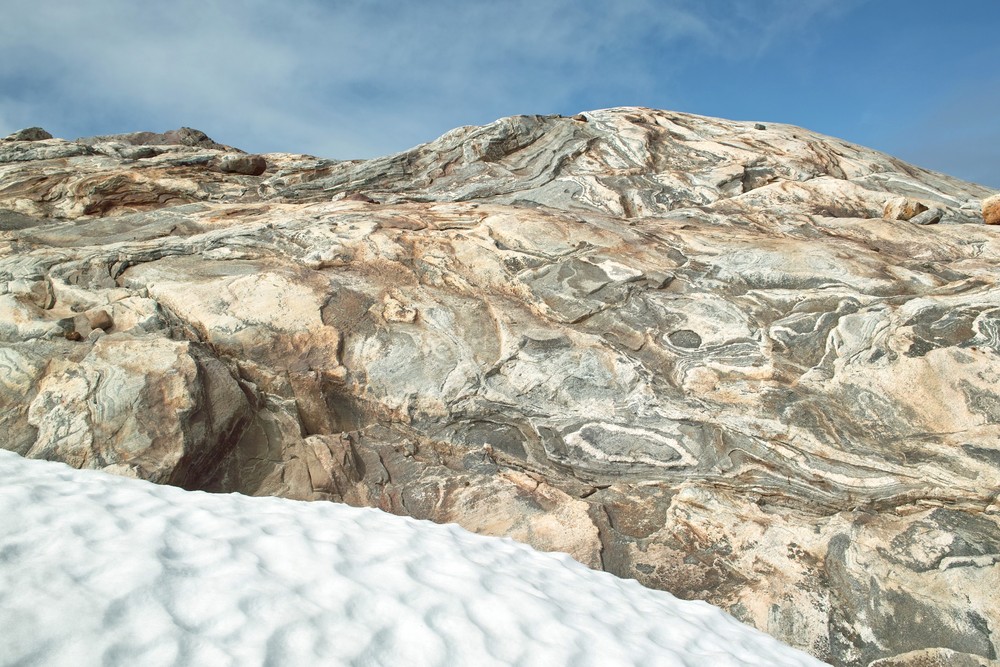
(96, 569)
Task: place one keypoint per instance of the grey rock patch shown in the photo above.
(250, 165)
(929, 217)
(685, 338)
(184, 136)
(12, 220)
(28, 134)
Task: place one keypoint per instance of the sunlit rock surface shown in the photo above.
(740, 362)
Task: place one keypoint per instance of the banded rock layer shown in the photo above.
(748, 364)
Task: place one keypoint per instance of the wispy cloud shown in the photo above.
(353, 78)
(344, 77)
(754, 28)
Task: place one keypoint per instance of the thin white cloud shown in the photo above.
(771, 22)
(348, 78)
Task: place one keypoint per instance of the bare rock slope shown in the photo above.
(744, 363)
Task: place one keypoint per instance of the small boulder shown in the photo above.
(28, 134)
(359, 196)
(931, 216)
(81, 325)
(759, 126)
(902, 208)
(99, 319)
(991, 210)
(241, 163)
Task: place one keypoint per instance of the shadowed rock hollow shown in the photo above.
(744, 363)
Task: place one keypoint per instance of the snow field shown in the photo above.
(102, 570)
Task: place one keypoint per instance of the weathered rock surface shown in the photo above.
(935, 658)
(722, 358)
(184, 136)
(28, 134)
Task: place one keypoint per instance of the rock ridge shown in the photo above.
(740, 362)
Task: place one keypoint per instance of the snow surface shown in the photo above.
(102, 570)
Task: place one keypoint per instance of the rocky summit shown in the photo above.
(740, 362)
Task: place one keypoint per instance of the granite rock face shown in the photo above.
(733, 361)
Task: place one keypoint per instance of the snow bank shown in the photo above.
(96, 569)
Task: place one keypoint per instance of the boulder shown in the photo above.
(239, 163)
(931, 216)
(902, 208)
(991, 210)
(99, 319)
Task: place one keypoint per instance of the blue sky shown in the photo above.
(358, 78)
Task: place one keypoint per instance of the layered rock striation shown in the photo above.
(739, 362)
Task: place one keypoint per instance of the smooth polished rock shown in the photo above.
(720, 360)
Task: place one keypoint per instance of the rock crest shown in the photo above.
(28, 134)
(184, 136)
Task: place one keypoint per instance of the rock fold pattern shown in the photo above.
(744, 363)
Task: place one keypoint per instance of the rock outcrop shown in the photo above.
(184, 136)
(28, 134)
(733, 361)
